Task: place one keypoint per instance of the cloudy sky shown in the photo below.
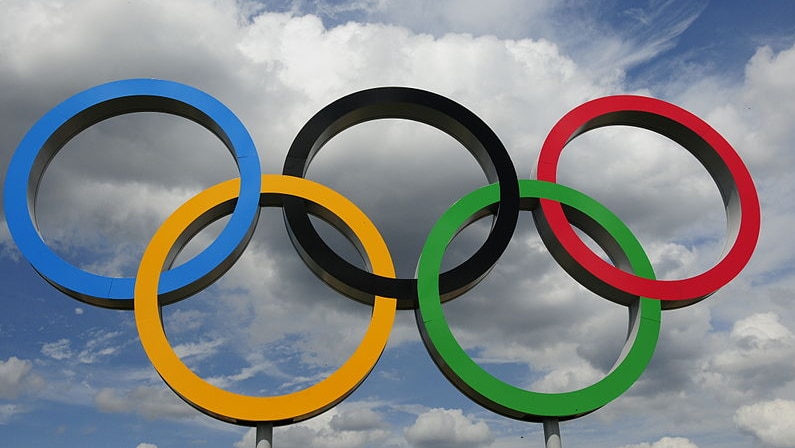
(723, 373)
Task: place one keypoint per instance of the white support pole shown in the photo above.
(552, 433)
(264, 435)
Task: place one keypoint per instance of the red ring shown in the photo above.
(710, 148)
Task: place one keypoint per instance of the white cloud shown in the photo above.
(772, 422)
(665, 442)
(761, 331)
(58, 350)
(147, 401)
(108, 400)
(766, 79)
(257, 365)
(760, 357)
(7, 411)
(146, 445)
(336, 428)
(463, 16)
(17, 377)
(442, 428)
(101, 344)
(568, 379)
(182, 321)
(756, 119)
(7, 248)
(644, 32)
(248, 440)
(198, 350)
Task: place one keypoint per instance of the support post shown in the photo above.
(264, 435)
(552, 433)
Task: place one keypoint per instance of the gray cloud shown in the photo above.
(356, 419)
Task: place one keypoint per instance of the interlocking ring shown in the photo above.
(245, 410)
(425, 107)
(629, 281)
(87, 108)
(707, 145)
(606, 230)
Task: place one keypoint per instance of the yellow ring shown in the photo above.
(244, 409)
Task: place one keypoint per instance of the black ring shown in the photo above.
(416, 105)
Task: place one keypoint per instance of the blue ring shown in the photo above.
(87, 108)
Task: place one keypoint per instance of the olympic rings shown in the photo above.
(630, 281)
(710, 148)
(211, 204)
(418, 105)
(99, 103)
(492, 393)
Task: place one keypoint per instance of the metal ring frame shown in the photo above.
(629, 281)
(87, 108)
(425, 107)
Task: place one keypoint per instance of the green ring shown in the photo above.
(481, 386)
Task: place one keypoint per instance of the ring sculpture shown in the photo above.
(629, 280)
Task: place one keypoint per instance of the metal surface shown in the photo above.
(491, 392)
(264, 437)
(628, 281)
(705, 144)
(416, 105)
(211, 204)
(62, 123)
(552, 433)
